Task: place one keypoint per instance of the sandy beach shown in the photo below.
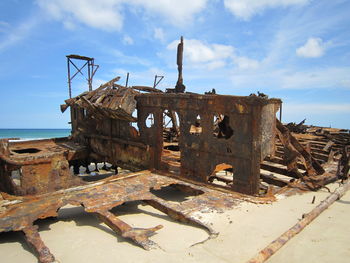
(244, 230)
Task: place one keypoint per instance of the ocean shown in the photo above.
(32, 134)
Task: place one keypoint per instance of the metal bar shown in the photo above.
(34, 240)
(127, 80)
(138, 235)
(89, 76)
(155, 84)
(69, 79)
(94, 69)
(79, 70)
(281, 113)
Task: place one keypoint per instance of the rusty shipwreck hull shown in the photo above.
(221, 149)
(103, 121)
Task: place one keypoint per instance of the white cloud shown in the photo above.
(321, 78)
(127, 40)
(313, 48)
(103, 14)
(178, 12)
(200, 54)
(289, 79)
(127, 59)
(212, 56)
(246, 9)
(246, 63)
(14, 35)
(107, 14)
(159, 34)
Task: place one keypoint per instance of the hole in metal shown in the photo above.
(176, 192)
(27, 150)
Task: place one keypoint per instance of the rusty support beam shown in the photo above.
(34, 240)
(295, 149)
(139, 236)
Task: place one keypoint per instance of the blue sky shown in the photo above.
(296, 50)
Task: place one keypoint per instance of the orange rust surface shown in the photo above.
(99, 198)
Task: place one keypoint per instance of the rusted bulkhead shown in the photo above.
(249, 124)
(103, 121)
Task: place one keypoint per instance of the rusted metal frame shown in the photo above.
(33, 238)
(279, 160)
(280, 112)
(280, 170)
(78, 70)
(118, 140)
(146, 89)
(6, 183)
(74, 56)
(246, 169)
(316, 153)
(196, 101)
(69, 79)
(103, 86)
(102, 196)
(158, 138)
(180, 216)
(127, 80)
(225, 190)
(152, 136)
(290, 155)
(227, 181)
(139, 236)
(90, 71)
(180, 87)
(343, 164)
(271, 179)
(31, 161)
(94, 68)
(255, 149)
(308, 157)
(157, 81)
(297, 150)
(44, 172)
(173, 119)
(274, 246)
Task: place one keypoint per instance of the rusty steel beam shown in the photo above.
(295, 149)
(139, 236)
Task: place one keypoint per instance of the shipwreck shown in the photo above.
(218, 148)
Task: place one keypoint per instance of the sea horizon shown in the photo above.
(34, 133)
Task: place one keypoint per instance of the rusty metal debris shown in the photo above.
(213, 146)
(99, 198)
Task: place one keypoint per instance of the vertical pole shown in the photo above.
(281, 112)
(69, 80)
(92, 71)
(180, 87)
(127, 80)
(155, 79)
(89, 75)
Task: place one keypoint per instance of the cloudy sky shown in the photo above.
(296, 50)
